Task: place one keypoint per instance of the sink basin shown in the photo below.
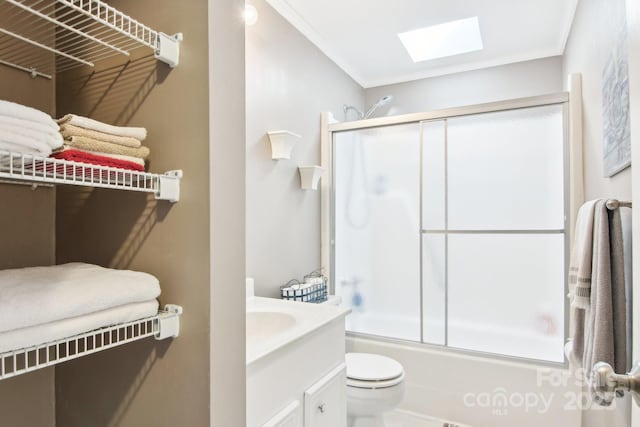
(262, 324)
(273, 324)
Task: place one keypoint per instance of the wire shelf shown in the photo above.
(33, 169)
(166, 324)
(76, 33)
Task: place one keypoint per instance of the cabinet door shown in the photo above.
(291, 416)
(325, 402)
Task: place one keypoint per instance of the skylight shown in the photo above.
(438, 41)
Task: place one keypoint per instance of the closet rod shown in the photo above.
(615, 204)
(34, 73)
(33, 185)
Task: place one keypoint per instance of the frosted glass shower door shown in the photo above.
(506, 233)
(434, 244)
(377, 229)
(452, 231)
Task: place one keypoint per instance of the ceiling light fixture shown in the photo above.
(439, 41)
(250, 14)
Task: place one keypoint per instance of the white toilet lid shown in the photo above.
(372, 367)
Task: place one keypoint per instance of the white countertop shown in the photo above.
(308, 318)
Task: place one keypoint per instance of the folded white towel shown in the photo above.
(47, 332)
(21, 149)
(18, 111)
(138, 133)
(29, 137)
(40, 148)
(37, 295)
(30, 124)
(23, 144)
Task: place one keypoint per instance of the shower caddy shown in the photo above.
(80, 32)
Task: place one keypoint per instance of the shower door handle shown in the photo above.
(605, 384)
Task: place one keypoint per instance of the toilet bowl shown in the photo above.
(375, 385)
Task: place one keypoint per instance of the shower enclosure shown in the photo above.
(449, 228)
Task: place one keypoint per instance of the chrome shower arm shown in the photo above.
(346, 109)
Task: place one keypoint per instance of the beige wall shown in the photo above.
(596, 26)
(289, 83)
(195, 255)
(162, 383)
(27, 230)
(518, 80)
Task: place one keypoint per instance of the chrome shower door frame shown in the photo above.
(330, 127)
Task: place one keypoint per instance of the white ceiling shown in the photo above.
(361, 36)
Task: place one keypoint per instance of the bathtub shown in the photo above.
(499, 339)
(476, 390)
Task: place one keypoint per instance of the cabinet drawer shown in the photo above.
(291, 416)
(325, 402)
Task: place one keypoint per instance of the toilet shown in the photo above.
(375, 385)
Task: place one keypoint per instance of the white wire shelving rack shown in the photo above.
(76, 32)
(34, 170)
(166, 324)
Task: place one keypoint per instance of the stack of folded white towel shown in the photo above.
(43, 304)
(26, 130)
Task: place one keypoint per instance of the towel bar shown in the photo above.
(615, 204)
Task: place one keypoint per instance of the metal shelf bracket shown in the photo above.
(169, 322)
(168, 49)
(169, 186)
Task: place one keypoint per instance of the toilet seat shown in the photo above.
(366, 370)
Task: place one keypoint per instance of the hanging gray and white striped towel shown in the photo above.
(581, 257)
(598, 295)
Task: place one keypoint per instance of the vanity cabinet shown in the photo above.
(325, 403)
(291, 416)
(297, 377)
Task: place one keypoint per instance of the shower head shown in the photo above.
(379, 103)
(382, 101)
(385, 100)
